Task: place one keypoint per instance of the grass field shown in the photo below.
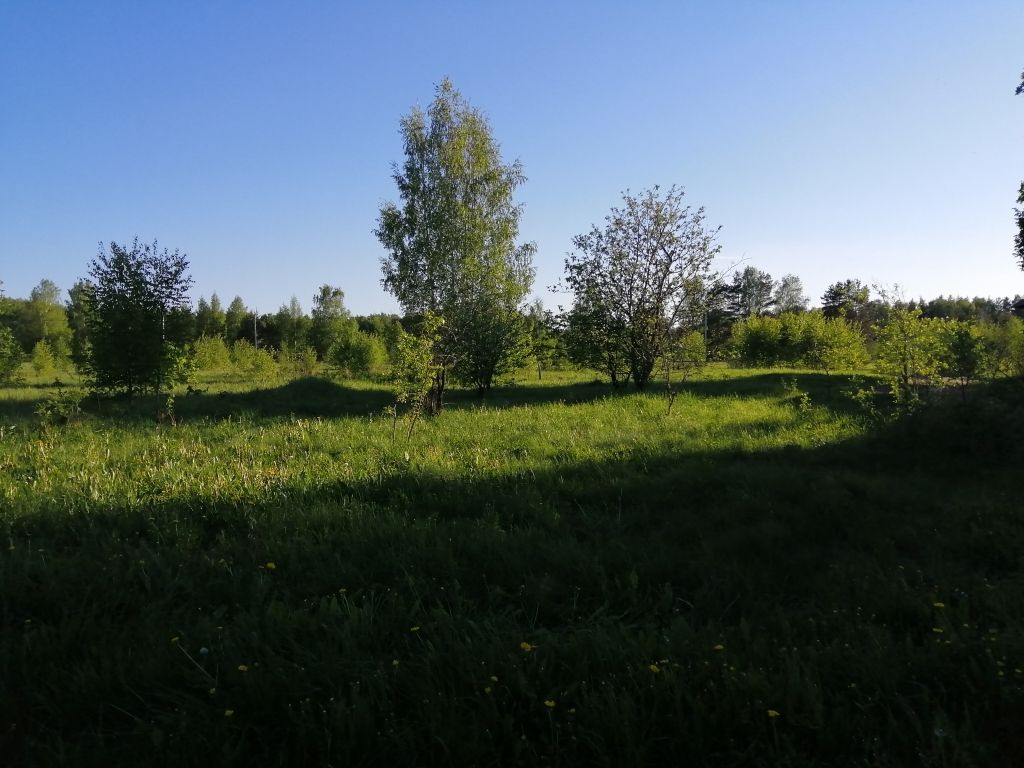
(556, 575)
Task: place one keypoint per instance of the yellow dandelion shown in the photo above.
(526, 647)
(938, 605)
(654, 668)
(718, 647)
(243, 668)
(549, 703)
(228, 712)
(271, 566)
(773, 713)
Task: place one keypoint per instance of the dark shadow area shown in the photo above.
(313, 397)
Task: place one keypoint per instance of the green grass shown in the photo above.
(674, 576)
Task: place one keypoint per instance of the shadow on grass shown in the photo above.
(814, 568)
(320, 397)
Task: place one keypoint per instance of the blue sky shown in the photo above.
(878, 141)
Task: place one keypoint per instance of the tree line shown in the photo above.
(644, 291)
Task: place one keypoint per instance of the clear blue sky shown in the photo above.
(879, 141)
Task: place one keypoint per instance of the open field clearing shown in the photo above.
(557, 574)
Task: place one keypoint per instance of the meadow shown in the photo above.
(557, 574)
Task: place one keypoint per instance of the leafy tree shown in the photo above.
(595, 337)
(543, 336)
(751, 293)
(414, 375)
(132, 290)
(848, 298)
(235, 326)
(78, 308)
(46, 320)
(639, 279)
(210, 317)
(331, 324)
(292, 325)
(11, 355)
(211, 354)
(962, 354)
(451, 242)
(361, 355)
(806, 339)
(907, 352)
(43, 360)
(257, 364)
(789, 295)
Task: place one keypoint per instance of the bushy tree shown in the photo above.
(235, 326)
(639, 279)
(361, 355)
(132, 291)
(789, 295)
(330, 324)
(414, 374)
(211, 354)
(11, 355)
(962, 355)
(257, 364)
(751, 293)
(79, 307)
(292, 325)
(848, 298)
(46, 320)
(451, 241)
(804, 339)
(907, 350)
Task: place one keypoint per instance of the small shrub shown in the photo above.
(59, 409)
(211, 354)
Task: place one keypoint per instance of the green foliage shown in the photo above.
(803, 339)
(451, 242)
(330, 325)
(672, 579)
(908, 354)
(235, 320)
(42, 359)
(962, 354)
(211, 354)
(415, 372)
(847, 298)
(297, 361)
(210, 317)
(11, 355)
(636, 280)
(132, 292)
(60, 408)
(361, 355)
(292, 325)
(258, 364)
